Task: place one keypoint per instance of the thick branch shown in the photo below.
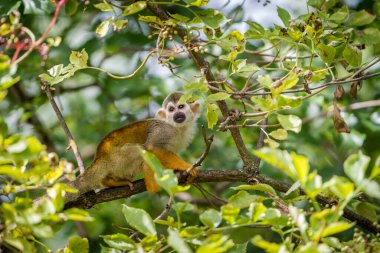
(90, 199)
(204, 67)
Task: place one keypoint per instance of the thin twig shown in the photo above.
(166, 209)
(252, 126)
(69, 136)
(208, 141)
(260, 144)
(351, 107)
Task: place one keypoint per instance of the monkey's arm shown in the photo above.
(170, 160)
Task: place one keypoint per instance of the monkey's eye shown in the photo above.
(181, 106)
(171, 108)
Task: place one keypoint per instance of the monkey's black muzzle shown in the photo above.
(179, 117)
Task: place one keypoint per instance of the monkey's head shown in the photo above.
(178, 114)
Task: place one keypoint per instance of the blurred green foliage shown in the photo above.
(93, 43)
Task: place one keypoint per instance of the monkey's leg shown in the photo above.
(172, 161)
(111, 182)
(150, 181)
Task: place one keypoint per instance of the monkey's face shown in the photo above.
(179, 114)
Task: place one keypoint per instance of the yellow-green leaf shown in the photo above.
(139, 219)
(290, 122)
(279, 134)
(218, 96)
(327, 53)
(103, 28)
(134, 8)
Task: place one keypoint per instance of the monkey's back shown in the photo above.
(137, 133)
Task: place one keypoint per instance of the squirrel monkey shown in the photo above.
(118, 157)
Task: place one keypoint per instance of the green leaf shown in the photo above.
(336, 227)
(361, 18)
(218, 96)
(134, 8)
(340, 15)
(287, 102)
(42, 230)
(71, 7)
(13, 172)
(265, 104)
(367, 210)
(77, 245)
(269, 247)
(119, 241)
(38, 7)
(376, 169)
(103, 28)
(77, 214)
(212, 115)
(234, 42)
(352, 55)
(301, 166)
(180, 17)
(255, 31)
(271, 143)
(279, 159)
(139, 219)
(287, 83)
(191, 231)
(197, 2)
(211, 218)
(355, 166)
(371, 188)
(341, 187)
(290, 122)
(8, 81)
(257, 187)
(211, 18)
(243, 69)
(79, 59)
(327, 53)
(120, 24)
(299, 218)
(238, 248)
(176, 242)
(181, 207)
(279, 134)
(242, 199)
(230, 213)
(255, 211)
(151, 19)
(265, 81)
(284, 15)
(103, 6)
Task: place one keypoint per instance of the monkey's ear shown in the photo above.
(161, 114)
(195, 107)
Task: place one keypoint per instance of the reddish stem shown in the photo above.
(20, 46)
(52, 22)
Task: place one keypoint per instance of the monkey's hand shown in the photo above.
(192, 173)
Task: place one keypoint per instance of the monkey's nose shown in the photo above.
(179, 117)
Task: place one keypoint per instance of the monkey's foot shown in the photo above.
(111, 182)
(192, 173)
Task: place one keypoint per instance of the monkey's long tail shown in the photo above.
(88, 181)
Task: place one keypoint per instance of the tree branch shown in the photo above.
(89, 199)
(204, 67)
(69, 136)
